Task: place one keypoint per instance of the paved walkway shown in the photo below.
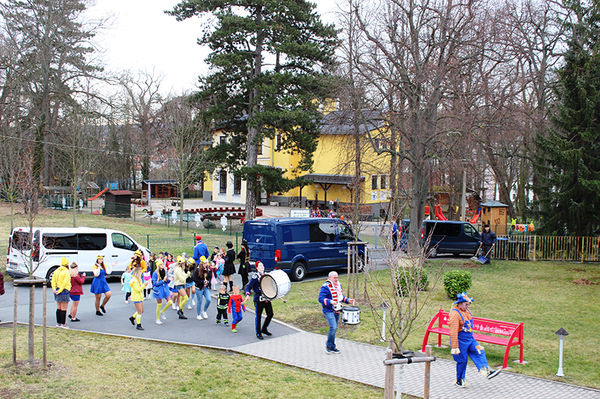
(357, 361)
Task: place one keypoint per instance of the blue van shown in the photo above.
(299, 245)
(447, 236)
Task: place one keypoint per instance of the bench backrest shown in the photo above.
(480, 324)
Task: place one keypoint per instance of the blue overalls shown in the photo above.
(467, 345)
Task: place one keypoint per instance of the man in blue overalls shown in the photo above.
(463, 343)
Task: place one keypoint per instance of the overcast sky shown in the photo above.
(140, 36)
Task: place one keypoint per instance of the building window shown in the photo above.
(383, 184)
(376, 144)
(278, 142)
(374, 182)
(259, 147)
(222, 181)
(222, 140)
(237, 184)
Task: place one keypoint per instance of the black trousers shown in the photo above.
(221, 312)
(268, 308)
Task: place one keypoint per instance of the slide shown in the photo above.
(476, 216)
(438, 213)
(99, 194)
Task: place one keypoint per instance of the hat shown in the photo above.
(202, 259)
(99, 257)
(138, 252)
(64, 262)
(198, 237)
(229, 244)
(191, 261)
(158, 262)
(258, 263)
(463, 297)
(180, 259)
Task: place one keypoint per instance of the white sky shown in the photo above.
(140, 36)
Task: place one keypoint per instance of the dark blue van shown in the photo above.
(447, 236)
(299, 245)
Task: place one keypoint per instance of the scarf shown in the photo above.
(335, 289)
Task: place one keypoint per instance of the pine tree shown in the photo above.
(569, 156)
(269, 67)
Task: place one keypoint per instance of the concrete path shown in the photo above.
(288, 345)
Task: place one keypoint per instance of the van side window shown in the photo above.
(345, 232)
(445, 229)
(294, 233)
(322, 232)
(92, 242)
(470, 231)
(20, 240)
(66, 241)
(123, 242)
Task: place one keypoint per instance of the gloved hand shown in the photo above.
(455, 351)
(479, 348)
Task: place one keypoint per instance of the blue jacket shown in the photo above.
(325, 298)
(488, 238)
(200, 250)
(254, 285)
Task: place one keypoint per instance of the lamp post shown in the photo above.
(562, 333)
(384, 306)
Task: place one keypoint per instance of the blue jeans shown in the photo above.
(332, 320)
(202, 293)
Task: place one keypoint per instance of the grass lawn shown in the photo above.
(94, 366)
(542, 295)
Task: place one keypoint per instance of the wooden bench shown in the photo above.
(499, 329)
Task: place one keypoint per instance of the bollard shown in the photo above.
(562, 333)
(15, 325)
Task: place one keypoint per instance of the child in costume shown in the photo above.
(236, 308)
(180, 275)
(61, 286)
(222, 305)
(190, 288)
(77, 280)
(463, 343)
(137, 296)
(99, 285)
(147, 279)
(125, 279)
(171, 282)
(160, 290)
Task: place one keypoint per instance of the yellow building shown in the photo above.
(333, 169)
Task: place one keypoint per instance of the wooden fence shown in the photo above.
(547, 248)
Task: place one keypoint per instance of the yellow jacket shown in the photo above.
(143, 265)
(61, 280)
(137, 289)
(179, 276)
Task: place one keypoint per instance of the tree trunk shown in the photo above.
(181, 206)
(30, 343)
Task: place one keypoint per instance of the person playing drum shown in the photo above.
(260, 302)
(331, 297)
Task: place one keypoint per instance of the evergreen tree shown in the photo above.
(269, 67)
(568, 159)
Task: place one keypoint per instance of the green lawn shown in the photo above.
(541, 295)
(87, 365)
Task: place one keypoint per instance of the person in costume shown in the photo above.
(222, 305)
(331, 297)
(200, 250)
(236, 308)
(464, 344)
(488, 239)
(137, 297)
(180, 275)
(190, 288)
(61, 285)
(160, 290)
(125, 287)
(170, 266)
(244, 256)
(229, 267)
(100, 286)
(77, 280)
(201, 276)
(147, 280)
(260, 303)
(138, 261)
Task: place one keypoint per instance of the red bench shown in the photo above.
(514, 332)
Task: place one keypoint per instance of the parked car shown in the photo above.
(81, 245)
(447, 236)
(300, 245)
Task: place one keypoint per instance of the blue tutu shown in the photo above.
(99, 284)
(160, 289)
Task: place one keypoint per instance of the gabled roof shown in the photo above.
(342, 122)
(494, 204)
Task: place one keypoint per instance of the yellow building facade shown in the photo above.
(332, 173)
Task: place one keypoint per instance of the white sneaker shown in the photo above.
(66, 327)
(204, 315)
(164, 316)
(189, 307)
(158, 321)
(194, 302)
(174, 307)
(126, 301)
(199, 317)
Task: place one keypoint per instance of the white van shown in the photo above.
(77, 244)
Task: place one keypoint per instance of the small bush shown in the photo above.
(456, 281)
(407, 278)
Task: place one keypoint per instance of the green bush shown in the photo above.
(407, 278)
(456, 281)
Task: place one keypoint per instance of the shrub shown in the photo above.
(408, 277)
(456, 281)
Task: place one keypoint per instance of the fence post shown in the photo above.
(427, 373)
(582, 249)
(388, 391)
(15, 325)
(236, 241)
(534, 246)
(148, 241)
(45, 360)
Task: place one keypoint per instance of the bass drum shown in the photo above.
(351, 315)
(275, 284)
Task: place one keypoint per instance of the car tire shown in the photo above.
(432, 252)
(298, 271)
(50, 273)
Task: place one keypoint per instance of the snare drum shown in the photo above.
(275, 284)
(351, 315)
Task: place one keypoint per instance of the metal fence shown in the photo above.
(547, 248)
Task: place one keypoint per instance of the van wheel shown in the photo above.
(298, 271)
(50, 273)
(432, 252)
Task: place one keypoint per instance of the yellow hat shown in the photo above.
(158, 262)
(100, 257)
(180, 259)
(191, 261)
(64, 261)
(138, 252)
(202, 259)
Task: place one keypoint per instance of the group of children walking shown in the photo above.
(168, 280)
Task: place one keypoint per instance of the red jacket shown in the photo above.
(76, 284)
